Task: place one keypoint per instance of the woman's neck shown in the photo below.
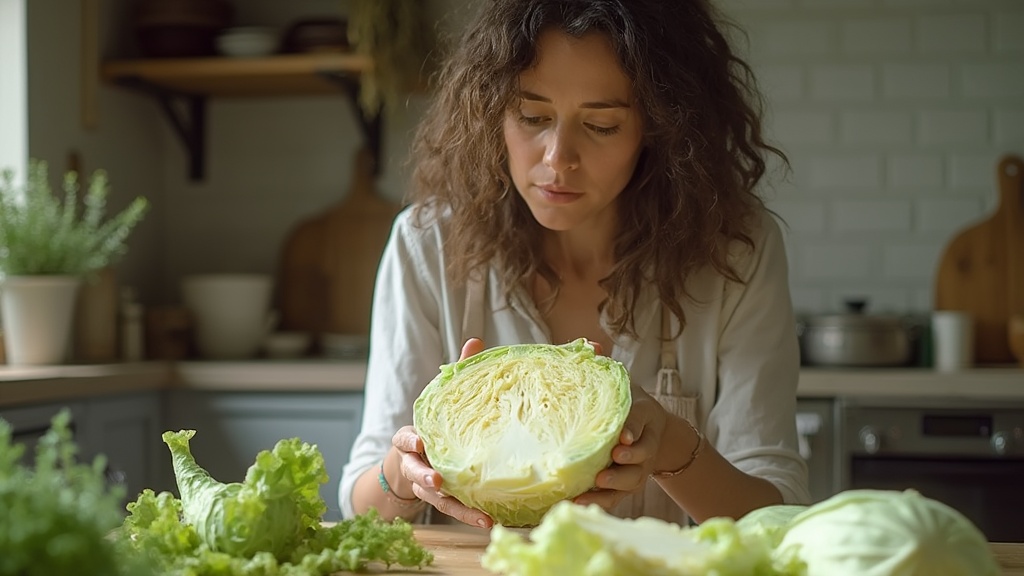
(579, 254)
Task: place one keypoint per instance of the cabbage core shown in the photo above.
(515, 429)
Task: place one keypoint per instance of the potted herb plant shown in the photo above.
(48, 245)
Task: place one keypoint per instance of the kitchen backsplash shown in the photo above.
(893, 113)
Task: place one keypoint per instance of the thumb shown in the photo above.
(471, 347)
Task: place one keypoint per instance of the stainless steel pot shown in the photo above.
(856, 338)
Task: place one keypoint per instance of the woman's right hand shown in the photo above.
(425, 481)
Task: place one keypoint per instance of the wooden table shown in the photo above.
(457, 551)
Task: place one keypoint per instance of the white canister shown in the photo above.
(230, 313)
(953, 340)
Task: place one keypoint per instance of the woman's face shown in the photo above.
(575, 137)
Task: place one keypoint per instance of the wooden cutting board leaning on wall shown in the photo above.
(982, 268)
(329, 261)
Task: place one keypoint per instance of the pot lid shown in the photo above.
(855, 317)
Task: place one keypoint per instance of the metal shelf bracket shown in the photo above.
(370, 125)
(187, 115)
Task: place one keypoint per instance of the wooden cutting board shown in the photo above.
(982, 269)
(329, 261)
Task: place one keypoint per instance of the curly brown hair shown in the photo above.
(694, 189)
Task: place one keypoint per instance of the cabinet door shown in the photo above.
(231, 428)
(816, 431)
(29, 423)
(126, 429)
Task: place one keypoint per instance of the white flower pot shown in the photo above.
(38, 313)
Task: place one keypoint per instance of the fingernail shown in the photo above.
(625, 455)
(428, 480)
(481, 523)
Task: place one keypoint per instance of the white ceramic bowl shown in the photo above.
(247, 41)
(231, 312)
(346, 346)
(287, 344)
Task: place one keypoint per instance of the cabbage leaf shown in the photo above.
(587, 541)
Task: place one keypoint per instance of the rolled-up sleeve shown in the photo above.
(753, 421)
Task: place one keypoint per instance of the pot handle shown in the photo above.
(856, 305)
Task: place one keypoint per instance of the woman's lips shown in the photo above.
(559, 195)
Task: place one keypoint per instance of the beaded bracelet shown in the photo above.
(693, 456)
(392, 497)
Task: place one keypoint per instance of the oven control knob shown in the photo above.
(1000, 443)
(870, 439)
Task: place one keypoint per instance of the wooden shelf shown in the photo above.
(281, 75)
(183, 86)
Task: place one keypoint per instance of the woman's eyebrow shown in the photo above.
(613, 103)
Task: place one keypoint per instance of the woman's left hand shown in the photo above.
(633, 457)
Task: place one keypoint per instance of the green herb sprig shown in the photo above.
(56, 513)
(42, 234)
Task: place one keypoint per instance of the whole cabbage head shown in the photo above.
(515, 429)
(887, 533)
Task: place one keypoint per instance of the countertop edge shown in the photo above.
(39, 384)
(21, 386)
(998, 383)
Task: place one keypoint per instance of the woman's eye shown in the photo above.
(604, 131)
(530, 120)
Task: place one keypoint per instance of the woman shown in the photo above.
(589, 169)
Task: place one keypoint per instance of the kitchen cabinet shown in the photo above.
(124, 428)
(29, 423)
(232, 427)
(183, 86)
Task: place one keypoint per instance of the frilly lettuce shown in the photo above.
(265, 526)
(271, 511)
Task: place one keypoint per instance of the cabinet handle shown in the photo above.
(115, 476)
(808, 424)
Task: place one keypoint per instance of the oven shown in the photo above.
(968, 454)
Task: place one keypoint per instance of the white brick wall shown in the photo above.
(894, 114)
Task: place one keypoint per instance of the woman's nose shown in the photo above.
(561, 153)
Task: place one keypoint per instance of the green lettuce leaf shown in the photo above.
(268, 525)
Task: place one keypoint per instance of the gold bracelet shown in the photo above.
(392, 497)
(693, 455)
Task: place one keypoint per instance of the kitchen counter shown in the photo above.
(457, 551)
(997, 383)
(20, 385)
(38, 384)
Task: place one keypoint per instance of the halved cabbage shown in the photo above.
(515, 429)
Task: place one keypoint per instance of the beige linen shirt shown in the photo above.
(738, 352)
